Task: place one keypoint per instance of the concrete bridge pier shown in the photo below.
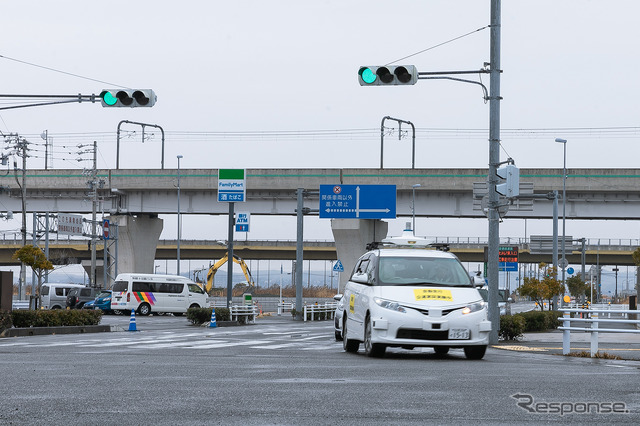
(351, 237)
(138, 238)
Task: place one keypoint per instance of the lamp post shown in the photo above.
(179, 219)
(564, 202)
(413, 206)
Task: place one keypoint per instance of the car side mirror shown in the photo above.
(360, 277)
(337, 297)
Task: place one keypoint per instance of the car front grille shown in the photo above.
(409, 333)
(444, 312)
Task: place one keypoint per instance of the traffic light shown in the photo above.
(392, 75)
(130, 98)
(511, 187)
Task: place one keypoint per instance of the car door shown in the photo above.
(358, 296)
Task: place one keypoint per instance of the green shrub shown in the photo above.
(55, 318)
(199, 316)
(552, 319)
(22, 318)
(540, 320)
(511, 327)
(5, 320)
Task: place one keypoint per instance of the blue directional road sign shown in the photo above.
(358, 201)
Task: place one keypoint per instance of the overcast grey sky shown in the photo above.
(226, 67)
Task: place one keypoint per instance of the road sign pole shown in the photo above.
(299, 236)
(230, 257)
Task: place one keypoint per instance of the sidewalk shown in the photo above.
(624, 345)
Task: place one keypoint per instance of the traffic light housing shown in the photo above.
(511, 186)
(129, 98)
(388, 75)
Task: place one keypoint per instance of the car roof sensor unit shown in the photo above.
(407, 239)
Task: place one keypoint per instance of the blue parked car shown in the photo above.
(102, 301)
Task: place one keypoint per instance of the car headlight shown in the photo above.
(387, 304)
(474, 307)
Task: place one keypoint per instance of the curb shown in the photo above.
(40, 331)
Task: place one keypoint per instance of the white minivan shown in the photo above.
(147, 293)
(404, 294)
(54, 295)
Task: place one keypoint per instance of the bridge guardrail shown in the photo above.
(592, 319)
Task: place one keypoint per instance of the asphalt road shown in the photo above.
(283, 372)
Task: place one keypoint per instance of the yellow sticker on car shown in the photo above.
(433, 294)
(352, 303)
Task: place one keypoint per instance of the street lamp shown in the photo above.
(179, 218)
(413, 206)
(564, 202)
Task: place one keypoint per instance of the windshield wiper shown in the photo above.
(426, 283)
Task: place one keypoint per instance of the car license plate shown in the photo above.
(458, 333)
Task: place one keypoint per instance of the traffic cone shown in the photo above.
(132, 321)
(213, 324)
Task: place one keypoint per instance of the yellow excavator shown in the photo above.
(219, 263)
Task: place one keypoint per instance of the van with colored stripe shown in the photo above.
(153, 293)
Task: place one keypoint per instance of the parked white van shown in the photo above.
(54, 295)
(147, 293)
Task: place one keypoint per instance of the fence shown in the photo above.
(322, 311)
(591, 317)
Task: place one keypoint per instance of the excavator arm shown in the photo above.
(214, 268)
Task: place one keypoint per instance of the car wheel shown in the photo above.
(374, 350)
(475, 352)
(441, 350)
(194, 306)
(144, 309)
(349, 345)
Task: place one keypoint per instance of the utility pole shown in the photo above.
(494, 161)
(94, 206)
(93, 184)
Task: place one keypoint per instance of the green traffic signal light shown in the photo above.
(128, 98)
(108, 98)
(367, 75)
(387, 75)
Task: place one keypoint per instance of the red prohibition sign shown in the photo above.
(337, 189)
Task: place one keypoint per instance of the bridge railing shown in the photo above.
(590, 318)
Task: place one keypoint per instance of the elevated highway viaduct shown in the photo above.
(135, 198)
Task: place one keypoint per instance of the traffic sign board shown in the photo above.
(105, 229)
(242, 221)
(358, 201)
(232, 185)
(338, 266)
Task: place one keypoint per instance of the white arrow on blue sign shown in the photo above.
(358, 201)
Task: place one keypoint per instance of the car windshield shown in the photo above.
(103, 294)
(422, 271)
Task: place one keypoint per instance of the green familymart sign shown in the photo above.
(232, 185)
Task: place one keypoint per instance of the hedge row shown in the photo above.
(49, 318)
(199, 316)
(513, 326)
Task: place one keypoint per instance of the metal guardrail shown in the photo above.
(328, 309)
(591, 317)
(250, 312)
(20, 304)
